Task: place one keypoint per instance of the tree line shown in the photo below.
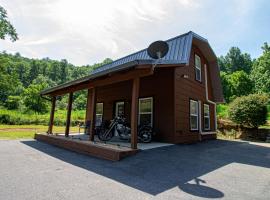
(22, 79)
(241, 75)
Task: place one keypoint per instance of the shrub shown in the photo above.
(13, 102)
(249, 111)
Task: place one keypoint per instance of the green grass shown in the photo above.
(28, 131)
(14, 117)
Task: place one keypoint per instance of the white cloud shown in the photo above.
(85, 32)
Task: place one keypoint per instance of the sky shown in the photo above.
(85, 32)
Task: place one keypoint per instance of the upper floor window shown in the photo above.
(198, 68)
(194, 115)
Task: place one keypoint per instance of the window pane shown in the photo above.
(206, 110)
(145, 105)
(206, 123)
(193, 122)
(193, 107)
(198, 74)
(197, 61)
(120, 108)
(98, 119)
(99, 108)
(145, 119)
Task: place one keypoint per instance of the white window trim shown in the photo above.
(199, 68)
(141, 113)
(206, 116)
(196, 115)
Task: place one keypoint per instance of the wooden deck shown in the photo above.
(96, 149)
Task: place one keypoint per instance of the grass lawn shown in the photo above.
(28, 131)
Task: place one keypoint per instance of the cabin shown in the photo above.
(177, 97)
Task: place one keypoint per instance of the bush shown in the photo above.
(13, 102)
(15, 117)
(249, 111)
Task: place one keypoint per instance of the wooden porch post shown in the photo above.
(92, 114)
(134, 112)
(88, 109)
(52, 115)
(69, 108)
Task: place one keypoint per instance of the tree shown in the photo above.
(260, 73)
(6, 28)
(32, 99)
(13, 102)
(240, 84)
(235, 85)
(80, 102)
(234, 61)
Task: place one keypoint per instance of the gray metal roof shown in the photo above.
(179, 53)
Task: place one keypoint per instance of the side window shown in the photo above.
(99, 113)
(198, 68)
(206, 117)
(146, 111)
(194, 115)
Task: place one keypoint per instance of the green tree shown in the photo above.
(234, 61)
(240, 83)
(13, 102)
(6, 28)
(64, 70)
(235, 85)
(260, 73)
(80, 102)
(32, 99)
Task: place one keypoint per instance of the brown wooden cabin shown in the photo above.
(178, 97)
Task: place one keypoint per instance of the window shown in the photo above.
(146, 111)
(198, 68)
(119, 108)
(194, 115)
(206, 118)
(99, 114)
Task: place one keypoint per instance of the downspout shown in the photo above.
(209, 101)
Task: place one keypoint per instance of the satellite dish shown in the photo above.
(158, 49)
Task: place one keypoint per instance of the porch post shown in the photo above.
(87, 112)
(134, 112)
(92, 114)
(69, 108)
(52, 115)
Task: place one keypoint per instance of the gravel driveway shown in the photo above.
(212, 169)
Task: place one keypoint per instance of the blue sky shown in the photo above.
(85, 32)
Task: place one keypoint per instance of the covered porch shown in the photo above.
(102, 85)
(92, 87)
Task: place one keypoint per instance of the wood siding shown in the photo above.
(160, 86)
(186, 89)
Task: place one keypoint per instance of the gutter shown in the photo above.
(208, 101)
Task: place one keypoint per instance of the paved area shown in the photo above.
(213, 169)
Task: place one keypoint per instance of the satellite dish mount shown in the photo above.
(157, 50)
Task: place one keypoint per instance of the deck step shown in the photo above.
(108, 152)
